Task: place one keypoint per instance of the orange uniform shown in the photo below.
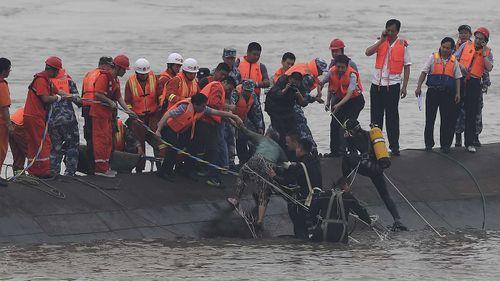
(102, 118)
(243, 105)
(4, 132)
(177, 89)
(119, 136)
(163, 79)
(17, 140)
(216, 95)
(35, 117)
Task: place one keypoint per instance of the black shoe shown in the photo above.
(445, 150)
(458, 140)
(428, 148)
(395, 152)
(3, 182)
(398, 226)
(168, 176)
(476, 141)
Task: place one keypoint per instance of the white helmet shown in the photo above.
(175, 58)
(142, 66)
(190, 65)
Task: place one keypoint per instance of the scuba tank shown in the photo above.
(379, 147)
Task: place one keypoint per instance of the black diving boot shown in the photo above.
(476, 141)
(398, 226)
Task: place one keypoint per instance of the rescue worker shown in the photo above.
(360, 151)
(306, 178)
(226, 149)
(475, 59)
(141, 96)
(182, 86)
(41, 95)
(229, 58)
(63, 127)
(393, 56)
(6, 127)
(174, 64)
(251, 69)
(177, 127)
(345, 99)
(246, 108)
(220, 74)
(107, 93)
(310, 72)
(329, 213)
(105, 64)
(209, 128)
(17, 141)
(259, 169)
(125, 140)
(443, 91)
(464, 35)
(280, 102)
(287, 61)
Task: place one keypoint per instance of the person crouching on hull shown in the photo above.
(361, 152)
(330, 211)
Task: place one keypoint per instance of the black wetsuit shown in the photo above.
(295, 175)
(329, 213)
(359, 148)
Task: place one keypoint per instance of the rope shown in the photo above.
(35, 183)
(483, 199)
(411, 205)
(45, 133)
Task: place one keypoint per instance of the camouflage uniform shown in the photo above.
(302, 127)
(64, 134)
(460, 127)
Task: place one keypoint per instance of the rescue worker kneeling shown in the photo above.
(180, 122)
(329, 213)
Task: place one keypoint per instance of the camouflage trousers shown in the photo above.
(302, 128)
(230, 138)
(256, 170)
(65, 141)
(460, 127)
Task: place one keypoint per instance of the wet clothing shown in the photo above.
(329, 213)
(359, 150)
(65, 135)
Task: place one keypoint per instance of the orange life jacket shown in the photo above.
(339, 85)
(210, 88)
(444, 68)
(473, 59)
(61, 81)
(243, 106)
(396, 59)
(308, 68)
(166, 74)
(183, 91)
(278, 74)
(18, 116)
(143, 102)
(181, 123)
(100, 110)
(120, 136)
(250, 71)
(89, 85)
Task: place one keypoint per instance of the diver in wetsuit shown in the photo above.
(306, 179)
(329, 213)
(359, 150)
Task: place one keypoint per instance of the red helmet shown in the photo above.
(54, 62)
(122, 61)
(337, 44)
(484, 31)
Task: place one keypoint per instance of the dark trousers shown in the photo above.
(284, 124)
(471, 106)
(377, 178)
(385, 99)
(87, 135)
(206, 140)
(181, 141)
(350, 110)
(298, 217)
(444, 100)
(242, 149)
(142, 136)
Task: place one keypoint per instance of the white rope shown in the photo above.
(414, 209)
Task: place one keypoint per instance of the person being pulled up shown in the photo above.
(258, 169)
(305, 174)
(360, 151)
(329, 213)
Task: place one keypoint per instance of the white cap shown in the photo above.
(175, 58)
(190, 65)
(142, 66)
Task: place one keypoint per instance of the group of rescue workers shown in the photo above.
(217, 115)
